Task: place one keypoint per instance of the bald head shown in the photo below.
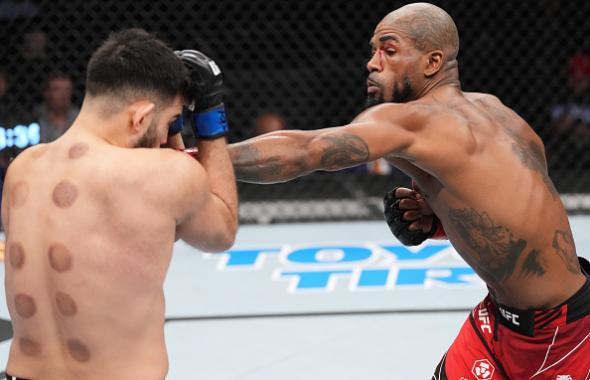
(429, 26)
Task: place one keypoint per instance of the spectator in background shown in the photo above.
(269, 122)
(34, 46)
(34, 63)
(9, 112)
(573, 115)
(56, 113)
(10, 115)
(570, 121)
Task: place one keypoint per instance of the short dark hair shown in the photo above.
(133, 63)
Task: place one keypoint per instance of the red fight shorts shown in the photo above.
(498, 342)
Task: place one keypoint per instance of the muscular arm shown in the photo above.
(284, 155)
(208, 212)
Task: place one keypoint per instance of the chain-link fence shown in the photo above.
(304, 62)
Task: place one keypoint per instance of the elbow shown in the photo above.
(224, 240)
(218, 245)
(222, 244)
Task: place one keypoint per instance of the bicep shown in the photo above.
(342, 147)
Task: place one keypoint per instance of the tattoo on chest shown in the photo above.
(531, 155)
(565, 248)
(343, 150)
(495, 247)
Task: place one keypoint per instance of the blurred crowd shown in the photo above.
(52, 107)
(570, 116)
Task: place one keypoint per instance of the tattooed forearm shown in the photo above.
(253, 165)
(343, 150)
(258, 174)
(565, 248)
(495, 247)
(279, 157)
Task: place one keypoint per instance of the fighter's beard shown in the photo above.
(150, 137)
(405, 94)
(401, 94)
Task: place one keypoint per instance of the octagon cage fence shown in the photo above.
(303, 62)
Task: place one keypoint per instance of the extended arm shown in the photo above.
(284, 155)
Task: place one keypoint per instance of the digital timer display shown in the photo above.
(21, 136)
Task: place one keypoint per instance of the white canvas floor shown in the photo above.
(316, 301)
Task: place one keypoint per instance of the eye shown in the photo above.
(390, 52)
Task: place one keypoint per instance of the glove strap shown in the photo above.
(211, 123)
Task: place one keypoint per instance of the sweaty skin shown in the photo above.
(480, 166)
(90, 231)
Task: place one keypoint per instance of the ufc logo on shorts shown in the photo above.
(483, 369)
(563, 377)
(484, 319)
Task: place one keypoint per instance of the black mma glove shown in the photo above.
(205, 91)
(400, 227)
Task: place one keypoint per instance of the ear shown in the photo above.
(141, 115)
(434, 62)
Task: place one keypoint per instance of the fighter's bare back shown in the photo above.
(90, 231)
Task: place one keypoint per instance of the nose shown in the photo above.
(374, 63)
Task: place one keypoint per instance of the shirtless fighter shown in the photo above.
(91, 222)
(482, 170)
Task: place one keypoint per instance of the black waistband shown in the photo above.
(528, 321)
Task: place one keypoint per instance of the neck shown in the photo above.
(447, 77)
(92, 122)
